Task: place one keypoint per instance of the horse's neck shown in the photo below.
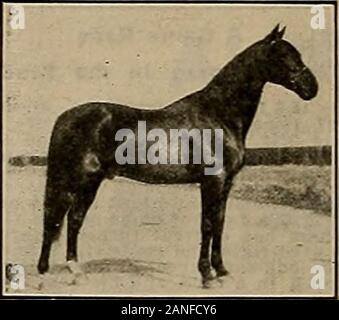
(235, 92)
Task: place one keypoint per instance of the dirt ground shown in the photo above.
(144, 240)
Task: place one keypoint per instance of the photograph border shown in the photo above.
(126, 298)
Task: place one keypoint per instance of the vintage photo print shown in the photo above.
(169, 150)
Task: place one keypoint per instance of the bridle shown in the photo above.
(296, 75)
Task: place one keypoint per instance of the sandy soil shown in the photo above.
(144, 240)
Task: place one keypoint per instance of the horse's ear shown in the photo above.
(275, 34)
(282, 32)
(276, 29)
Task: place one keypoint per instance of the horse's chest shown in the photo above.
(234, 156)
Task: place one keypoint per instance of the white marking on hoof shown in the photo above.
(74, 267)
(78, 275)
(41, 285)
(214, 283)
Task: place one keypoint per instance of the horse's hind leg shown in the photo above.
(83, 199)
(57, 203)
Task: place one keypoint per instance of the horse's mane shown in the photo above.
(232, 70)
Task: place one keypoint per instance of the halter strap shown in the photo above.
(298, 74)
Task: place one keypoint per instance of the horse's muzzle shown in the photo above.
(306, 85)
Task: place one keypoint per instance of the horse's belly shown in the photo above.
(160, 173)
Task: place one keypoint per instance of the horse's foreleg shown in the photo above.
(210, 202)
(82, 201)
(218, 226)
(214, 193)
(204, 265)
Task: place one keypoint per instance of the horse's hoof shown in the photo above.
(41, 284)
(211, 283)
(43, 267)
(222, 272)
(78, 275)
(74, 268)
(206, 281)
(207, 284)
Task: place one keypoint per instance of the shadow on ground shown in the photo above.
(112, 265)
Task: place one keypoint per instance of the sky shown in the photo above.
(150, 55)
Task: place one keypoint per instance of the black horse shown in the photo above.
(82, 145)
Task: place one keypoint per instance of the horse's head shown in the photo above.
(285, 67)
